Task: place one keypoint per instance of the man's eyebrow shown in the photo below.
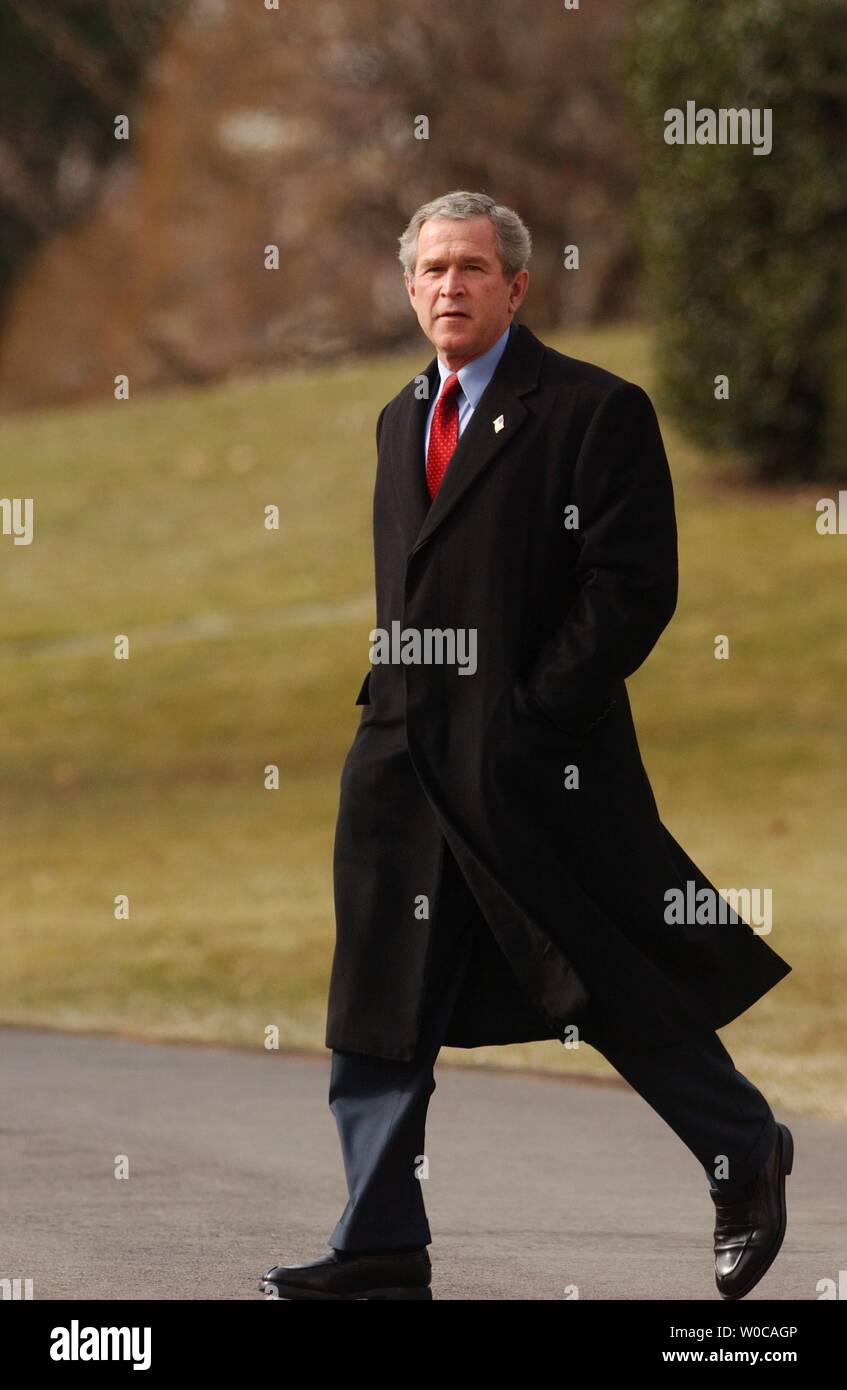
(438, 260)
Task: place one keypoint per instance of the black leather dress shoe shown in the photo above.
(750, 1225)
(388, 1274)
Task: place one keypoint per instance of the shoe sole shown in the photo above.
(272, 1290)
(786, 1164)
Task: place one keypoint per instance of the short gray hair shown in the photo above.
(514, 243)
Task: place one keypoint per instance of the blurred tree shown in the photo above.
(67, 70)
(835, 425)
(746, 255)
(296, 129)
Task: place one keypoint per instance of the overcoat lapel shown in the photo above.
(515, 375)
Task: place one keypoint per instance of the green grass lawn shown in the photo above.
(146, 777)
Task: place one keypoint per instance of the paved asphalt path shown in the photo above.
(536, 1184)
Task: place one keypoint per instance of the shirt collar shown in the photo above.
(475, 375)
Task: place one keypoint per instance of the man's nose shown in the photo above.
(452, 283)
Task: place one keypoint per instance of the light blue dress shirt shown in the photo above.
(473, 379)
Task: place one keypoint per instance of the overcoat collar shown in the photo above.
(515, 375)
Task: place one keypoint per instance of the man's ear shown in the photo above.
(523, 276)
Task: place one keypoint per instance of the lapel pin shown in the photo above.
(499, 424)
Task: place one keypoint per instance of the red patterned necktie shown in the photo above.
(443, 434)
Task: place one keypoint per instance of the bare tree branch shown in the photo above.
(20, 192)
(54, 34)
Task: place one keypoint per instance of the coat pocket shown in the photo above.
(529, 706)
(363, 697)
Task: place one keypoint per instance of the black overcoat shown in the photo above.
(569, 881)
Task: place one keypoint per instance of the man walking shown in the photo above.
(501, 870)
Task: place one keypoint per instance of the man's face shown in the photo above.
(459, 293)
